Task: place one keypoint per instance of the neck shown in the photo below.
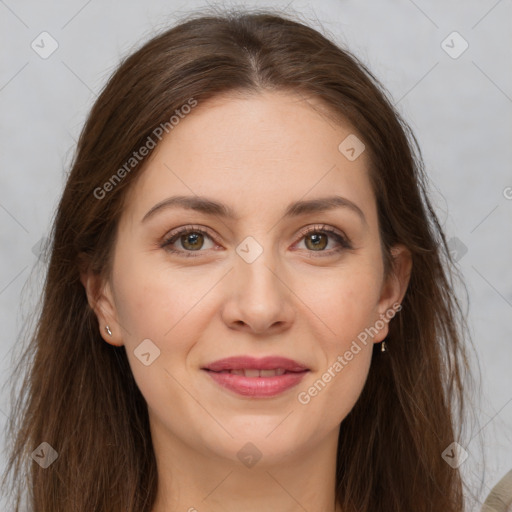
(194, 480)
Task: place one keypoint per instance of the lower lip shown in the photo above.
(257, 387)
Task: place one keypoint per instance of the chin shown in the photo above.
(266, 443)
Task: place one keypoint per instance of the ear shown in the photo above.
(101, 300)
(393, 288)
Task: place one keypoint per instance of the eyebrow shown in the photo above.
(209, 206)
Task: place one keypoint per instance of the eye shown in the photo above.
(192, 238)
(316, 239)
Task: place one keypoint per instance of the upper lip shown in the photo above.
(247, 363)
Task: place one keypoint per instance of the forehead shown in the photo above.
(256, 153)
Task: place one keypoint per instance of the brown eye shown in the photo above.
(191, 240)
(318, 241)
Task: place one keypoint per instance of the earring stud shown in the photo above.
(107, 328)
(383, 346)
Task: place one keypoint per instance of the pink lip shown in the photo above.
(247, 362)
(257, 387)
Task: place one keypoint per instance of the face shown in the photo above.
(192, 286)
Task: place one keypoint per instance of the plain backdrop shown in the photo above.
(446, 64)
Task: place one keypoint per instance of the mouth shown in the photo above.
(273, 363)
(256, 378)
(254, 372)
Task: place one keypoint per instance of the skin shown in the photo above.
(257, 154)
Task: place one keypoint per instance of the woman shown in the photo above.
(249, 302)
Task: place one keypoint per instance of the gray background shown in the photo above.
(460, 109)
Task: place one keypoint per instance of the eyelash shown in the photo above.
(173, 237)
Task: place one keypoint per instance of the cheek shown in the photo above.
(153, 301)
(347, 305)
(167, 306)
(332, 395)
(156, 305)
(345, 302)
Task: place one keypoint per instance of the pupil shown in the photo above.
(191, 238)
(316, 239)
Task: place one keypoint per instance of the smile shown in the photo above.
(257, 386)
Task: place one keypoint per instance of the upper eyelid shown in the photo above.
(189, 228)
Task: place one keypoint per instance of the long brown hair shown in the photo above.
(78, 393)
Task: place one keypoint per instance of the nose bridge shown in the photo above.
(259, 296)
(257, 264)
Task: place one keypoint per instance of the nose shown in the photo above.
(258, 298)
